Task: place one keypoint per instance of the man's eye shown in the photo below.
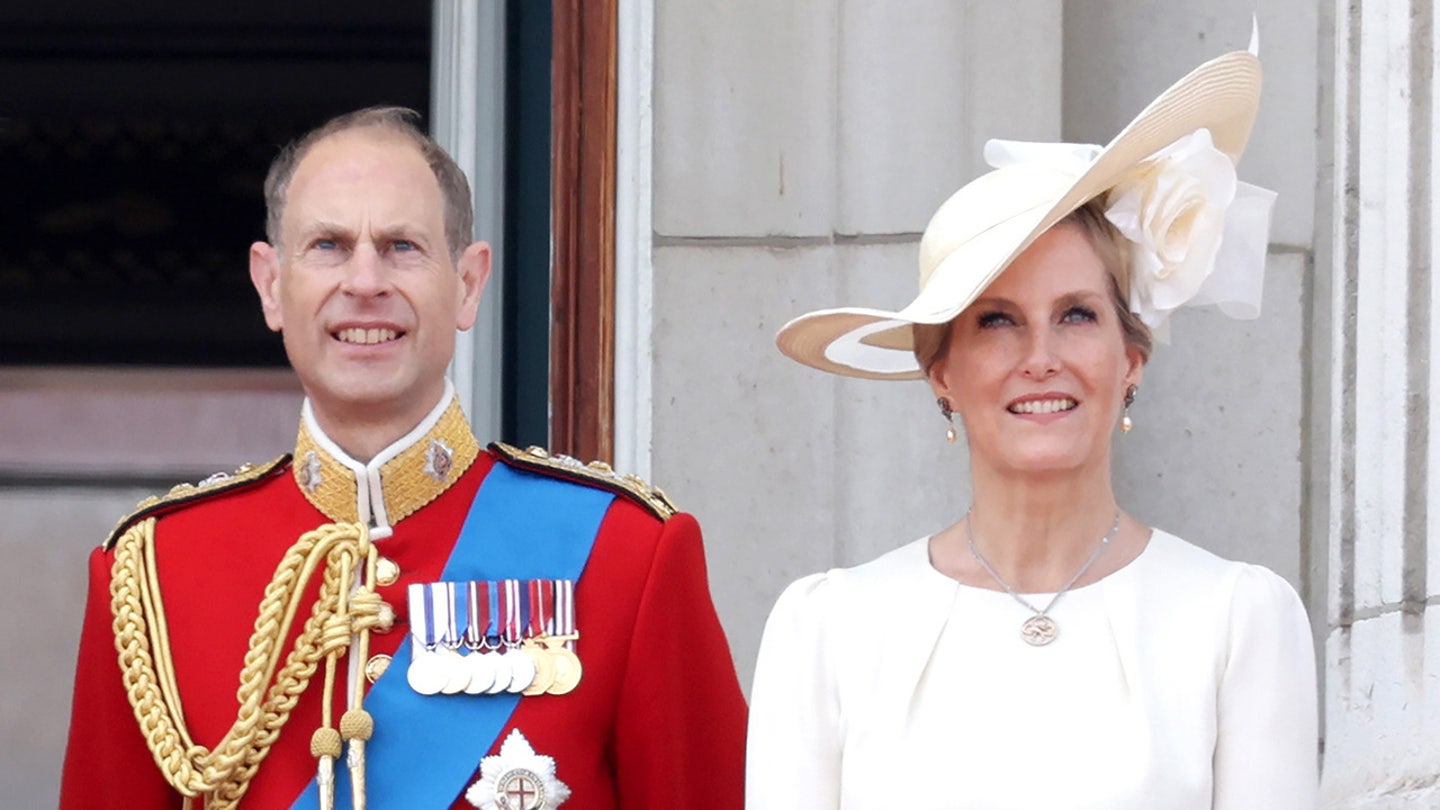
(403, 245)
(325, 244)
(991, 320)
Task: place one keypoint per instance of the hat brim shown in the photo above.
(1222, 95)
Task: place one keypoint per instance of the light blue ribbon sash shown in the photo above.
(520, 526)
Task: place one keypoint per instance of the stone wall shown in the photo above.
(800, 149)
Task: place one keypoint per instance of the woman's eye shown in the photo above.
(1079, 315)
(991, 320)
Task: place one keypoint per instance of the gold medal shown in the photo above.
(567, 664)
(544, 667)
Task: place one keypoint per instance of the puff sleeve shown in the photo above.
(1266, 751)
(795, 733)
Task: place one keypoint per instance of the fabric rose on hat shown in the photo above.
(1172, 208)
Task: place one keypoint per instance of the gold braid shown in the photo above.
(222, 775)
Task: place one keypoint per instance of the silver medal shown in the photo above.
(457, 673)
(522, 670)
(427, 673)
(482, 672)
(503, 674)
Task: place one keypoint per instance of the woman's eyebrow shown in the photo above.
(1078, 297)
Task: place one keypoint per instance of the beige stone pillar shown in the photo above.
(1382, 649)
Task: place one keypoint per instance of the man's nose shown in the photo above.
(365, 273)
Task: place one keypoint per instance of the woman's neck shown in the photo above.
(1035, 531)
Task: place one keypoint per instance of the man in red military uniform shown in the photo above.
(394, 615)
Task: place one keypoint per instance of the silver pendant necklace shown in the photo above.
(1040, 629)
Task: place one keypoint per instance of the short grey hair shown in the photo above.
(454, 188)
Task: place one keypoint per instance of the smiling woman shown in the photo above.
(1045, 343)
(1047, 627)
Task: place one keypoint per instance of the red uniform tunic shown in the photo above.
(658, 720)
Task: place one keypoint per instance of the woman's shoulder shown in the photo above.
(1180, 567)
(900, 567)
(815, 623)
(893, 575)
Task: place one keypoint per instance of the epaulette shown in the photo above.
(183, 494)
(596, 474)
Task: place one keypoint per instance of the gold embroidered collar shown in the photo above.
(400, 480)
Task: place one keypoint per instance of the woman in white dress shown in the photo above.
(1047, 650)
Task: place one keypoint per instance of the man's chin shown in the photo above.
(366, 398)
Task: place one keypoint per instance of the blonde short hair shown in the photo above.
(933, 340)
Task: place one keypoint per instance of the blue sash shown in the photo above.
(521, 526)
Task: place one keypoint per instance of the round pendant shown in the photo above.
(426, 674)
(1039, 630)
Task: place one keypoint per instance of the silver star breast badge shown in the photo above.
(517, 779)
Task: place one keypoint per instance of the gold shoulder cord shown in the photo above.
(220, 777)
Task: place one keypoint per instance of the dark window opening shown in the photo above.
(525, 368)
(134, 140)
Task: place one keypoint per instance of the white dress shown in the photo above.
(1182, 681)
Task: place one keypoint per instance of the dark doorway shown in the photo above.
(134, 139)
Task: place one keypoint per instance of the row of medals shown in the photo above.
(536, 666)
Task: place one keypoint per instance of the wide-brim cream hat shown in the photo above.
(985, 225)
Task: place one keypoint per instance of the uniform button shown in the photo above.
(386, 619)
(376, 667)
(386, 572)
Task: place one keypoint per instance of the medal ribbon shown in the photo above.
(477, 615)
(523, 620)
(492, 628)
(511, 591)
(565, 610)
(442, 598)
(542, 603)
(425, 749)
(461, 596)
(422, 625)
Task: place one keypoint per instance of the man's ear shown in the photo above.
(474, 272)
(265, 275)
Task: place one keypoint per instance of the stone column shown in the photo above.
(1382, 684)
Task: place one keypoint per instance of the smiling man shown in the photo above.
(392, 614)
